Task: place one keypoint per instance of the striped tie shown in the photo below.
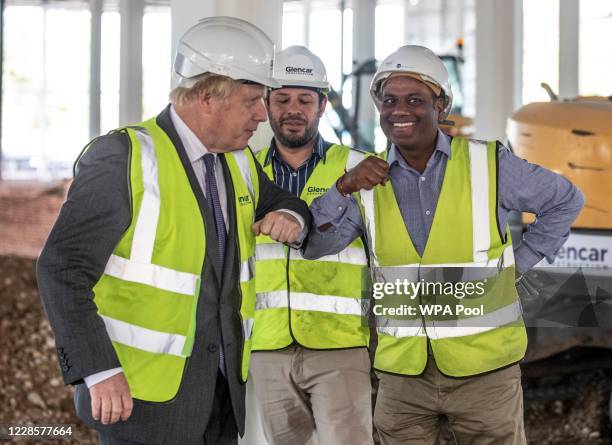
(212, 196)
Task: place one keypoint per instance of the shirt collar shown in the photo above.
(193, 146)
(442, 145)
(319, 150)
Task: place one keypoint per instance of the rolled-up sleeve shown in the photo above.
(336, 223)
(555, 201)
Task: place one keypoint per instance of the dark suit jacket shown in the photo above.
(91, 223)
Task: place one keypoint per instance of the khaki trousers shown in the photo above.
(301, 393)
(481, 410)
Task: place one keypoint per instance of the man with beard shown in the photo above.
(446, 209)
(311, 371)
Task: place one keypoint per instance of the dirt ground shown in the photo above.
(30, 380)
(583, 420)
(32, 391)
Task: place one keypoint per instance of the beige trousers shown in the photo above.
(303, 393)
(481, 410)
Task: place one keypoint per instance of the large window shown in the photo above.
(435, 24)
(318, 25)
(540, 48)
(440, 26)
(293, 24)
(46, 80)
(109, 73)
(45, 88)
(389, 34)
(156, 59)
(595, 72)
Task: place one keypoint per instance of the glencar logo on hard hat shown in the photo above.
(298, 70)
(297, 66)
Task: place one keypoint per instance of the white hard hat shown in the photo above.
(298, 66)
(413, 60)
(227, 46)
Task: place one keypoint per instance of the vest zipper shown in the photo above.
(289, 297)
(424, 326)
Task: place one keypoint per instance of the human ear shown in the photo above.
(439, 106)
(208, 103)
(322, 104)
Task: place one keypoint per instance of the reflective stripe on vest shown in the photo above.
(323, 296)
(350, 255)
(142, 338)
(456, 328)
(310, 302)
(148, 294)
(138, 268)
(152, 275)
(479, 179)
(403, 342)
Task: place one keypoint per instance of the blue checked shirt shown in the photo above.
(522, 187)
(285, 176)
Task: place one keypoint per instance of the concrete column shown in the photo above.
(307, 9)
(363, 50)
(569, 32)
(95, 6)
(185, 14)
(267, 15)
(130, 77)
(498, 65)
(444, 19)
(459, 18)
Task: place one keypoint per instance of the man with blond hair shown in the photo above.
(148, 275)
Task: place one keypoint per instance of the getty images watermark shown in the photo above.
(547, 297)
(413, 291)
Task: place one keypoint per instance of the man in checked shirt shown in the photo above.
(446, 207)
(311, 369)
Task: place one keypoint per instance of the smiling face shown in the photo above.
(236, 118)
(409, 113)
(294, 115)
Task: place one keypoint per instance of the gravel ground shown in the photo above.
(582, 420)
(32, 390)
(30, 380)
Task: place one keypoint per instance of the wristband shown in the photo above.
(340, 186)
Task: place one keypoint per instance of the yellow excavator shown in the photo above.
(573, 138)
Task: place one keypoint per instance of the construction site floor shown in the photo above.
(32, 390)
